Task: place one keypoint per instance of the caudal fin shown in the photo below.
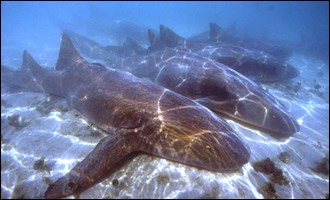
(68, 54)
(5, 70)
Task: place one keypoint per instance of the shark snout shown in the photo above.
(292, 71)
(279, 71)
(281, 124)
(261, 114)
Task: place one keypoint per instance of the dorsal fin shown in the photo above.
(152, 38)
(75, 37)
(68, 54)
(216, 32)
(169, 37)
(129, 42)
(29, 62)
(133, 45)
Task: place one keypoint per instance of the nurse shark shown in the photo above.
(217, 34)
(216, 86)
(139, 116)
(256, 65)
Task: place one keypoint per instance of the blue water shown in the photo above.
(62, 139)
(23, 23)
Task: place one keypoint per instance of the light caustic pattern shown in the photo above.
(60, 144)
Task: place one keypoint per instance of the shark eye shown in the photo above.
(70, 187)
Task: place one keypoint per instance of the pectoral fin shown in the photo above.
(105, 155)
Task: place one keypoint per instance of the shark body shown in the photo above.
(217, 34)
(216, 86)
(139, 116)
(256, 65)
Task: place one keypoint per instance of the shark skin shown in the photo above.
(256, 65)
(96, 51)
(19, 80)
(139, 116)
(217, 34)
(216, 86)
(9, 79)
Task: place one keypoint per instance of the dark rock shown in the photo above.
(267, 166)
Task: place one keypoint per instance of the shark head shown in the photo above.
(264, 70)
(226, 92)
(243, 100)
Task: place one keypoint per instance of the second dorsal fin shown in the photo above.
(30, 63)
(216, 32)
(68, 54)
(169, 37)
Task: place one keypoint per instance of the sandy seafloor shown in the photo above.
(41, 140)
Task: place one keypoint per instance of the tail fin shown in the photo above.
(68, 54)
(5, 70)
(169, 37)
(216, 32)
(8, 78)
(23, 80)
(25, 64)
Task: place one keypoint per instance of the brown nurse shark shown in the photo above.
(256, 65)
(216, 86)
(279, 50)
(139, 116)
